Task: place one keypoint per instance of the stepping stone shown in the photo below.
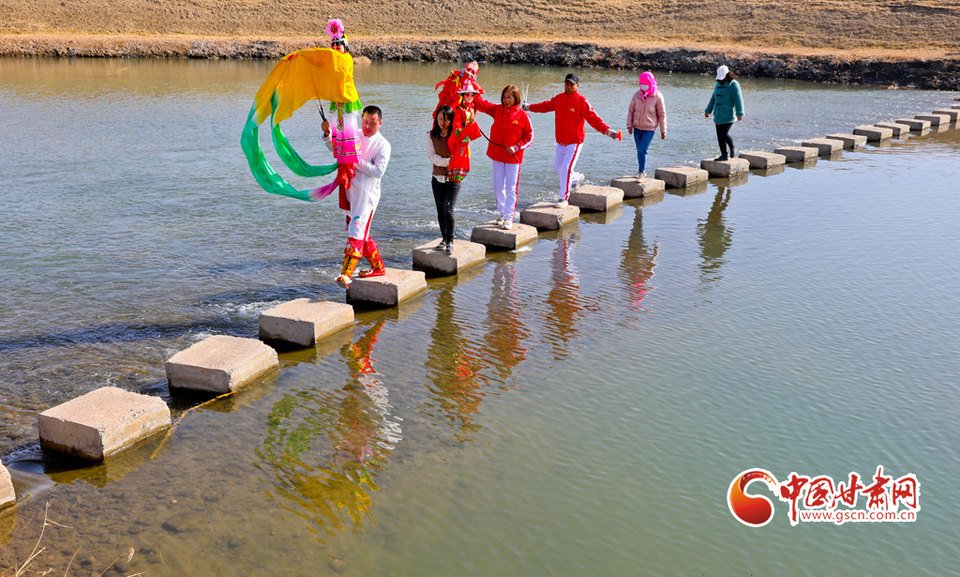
(725, 168)
(681, 176)
(733, 180)
(810, 162)
(826, 146)
(771, 171)
(899, 130)
(914, 124)
(220, 364)
(935, 119)
(491, 235)
(633, 188)
(596, 198)
(7, 495)
(850, 141)
(102, 422)
(955, 107)
(546, 215)
(873, 133)
(953, 114)
(798, 153)
(763, 159)
(465, 254)
(388, 290)
(303, 322)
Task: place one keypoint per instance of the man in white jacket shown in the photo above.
(363, 196)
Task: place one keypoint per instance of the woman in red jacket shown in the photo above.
(510, 134)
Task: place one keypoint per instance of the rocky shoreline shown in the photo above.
(928, 74)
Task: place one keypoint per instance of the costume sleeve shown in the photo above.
(484, 106)
(737, 98)
(593, 118)
(435, 158)
(545, 106)
(709, 108)
(473, 131)
(661, 113)
(630, 111)
(526, 133)
(379, 164)
(328, 140)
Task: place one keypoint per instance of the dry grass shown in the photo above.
(923, 27)
(31, 566)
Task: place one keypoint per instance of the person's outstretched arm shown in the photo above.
(545, 106)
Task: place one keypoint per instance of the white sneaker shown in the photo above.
(500, 220)
(507, 225)
(562, 204)
(641, 176)
(580, 179)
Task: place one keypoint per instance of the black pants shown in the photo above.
(723, 138)
(445, 195)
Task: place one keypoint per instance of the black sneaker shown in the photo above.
(442, 245)
(449, 247)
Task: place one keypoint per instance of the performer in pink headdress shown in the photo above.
(647, 110)
(366, 154)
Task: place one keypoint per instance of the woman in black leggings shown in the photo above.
(445, 191)
(726, 102)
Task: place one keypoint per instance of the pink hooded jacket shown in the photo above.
(647, 109)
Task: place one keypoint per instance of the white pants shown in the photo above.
(563, 165)
(506, 181)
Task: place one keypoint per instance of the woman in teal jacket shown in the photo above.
(726, 102)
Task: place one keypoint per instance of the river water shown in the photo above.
(577, 407)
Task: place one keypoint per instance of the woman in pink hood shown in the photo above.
(646, 112)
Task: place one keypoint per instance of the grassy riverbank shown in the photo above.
(872, 28)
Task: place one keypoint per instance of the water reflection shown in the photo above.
(564, 299)
(454, 364)
(714, 238)
(637, 263)
(505, 329)
(319, 481)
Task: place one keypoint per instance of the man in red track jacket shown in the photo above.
(571, 109)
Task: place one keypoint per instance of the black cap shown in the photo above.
(572, 78)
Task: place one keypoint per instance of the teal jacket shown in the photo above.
(726, 103)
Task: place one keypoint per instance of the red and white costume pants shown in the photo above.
(564, 164)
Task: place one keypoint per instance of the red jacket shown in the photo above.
(511, 127)
(571, 110)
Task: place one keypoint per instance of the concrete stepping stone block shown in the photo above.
(650, 199)
(547, 216)
(763, 159)
(681, 176)
(825, 146)
(491, 235)
(955, 106)
(388, 290)
(914, 124)
(220, 364)
(899, 130)
(7, 494)
(953, 114)
(798, 153)
(935, 119)
(303, 322)
(596, 198)
(873, 133)
(465, 254)
(633, 188)
(850, 141)
(725, 168)
(102, 422)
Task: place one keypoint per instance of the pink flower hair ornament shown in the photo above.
(338, 35)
